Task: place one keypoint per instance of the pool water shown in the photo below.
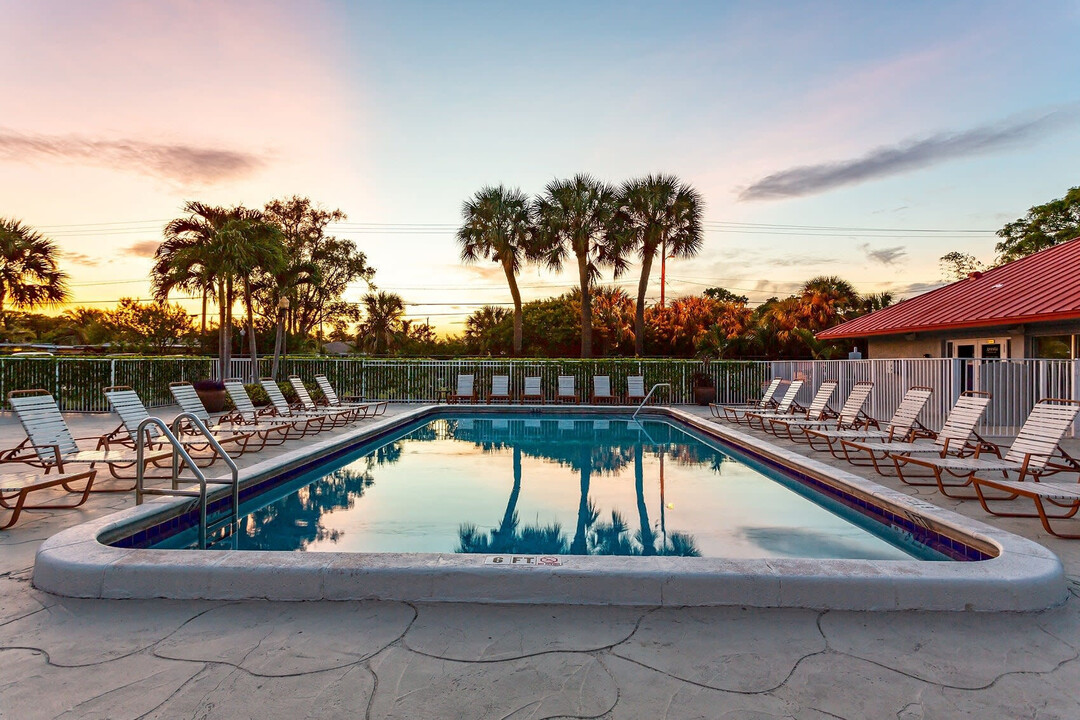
(581, 485)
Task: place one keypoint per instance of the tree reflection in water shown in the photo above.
(604, 451)
(295, 520)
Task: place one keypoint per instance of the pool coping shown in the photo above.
(1024, 576)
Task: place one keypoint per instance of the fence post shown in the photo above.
(112, 372)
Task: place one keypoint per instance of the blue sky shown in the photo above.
(929, 116)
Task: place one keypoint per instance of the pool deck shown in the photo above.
(63, 657)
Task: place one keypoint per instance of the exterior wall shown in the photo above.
(917, 345)
(896, 346)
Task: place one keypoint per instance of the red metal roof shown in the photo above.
(1038, 288)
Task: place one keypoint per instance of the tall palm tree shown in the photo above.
(243, 248)
(29, 276)
(182, 260)
(657, 213)
(384, 311)
(575, 216)
(497, 226)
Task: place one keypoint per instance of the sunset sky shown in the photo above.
(850, 138)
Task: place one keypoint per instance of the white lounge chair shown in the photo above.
(954, 438)
(16, 487)
(903, 425)
(783, 408)
(500, 389)
(816, 410)
(1034, 454)
(567, 392)
(466, 390)
(602, 390)
(49, 443)
(532, 392)
(338, 416)
(737, 413)
(851, 416)
(127, 404)
(376, 407)
(635, 389)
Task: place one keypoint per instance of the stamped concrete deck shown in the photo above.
(61, 657)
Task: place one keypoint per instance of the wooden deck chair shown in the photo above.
(602, 390)
(785, 407)
(466, 390)
(310, 422)
(736, 413)
(567, 392)
(16, 487)
(1034, 454)
(957, 437)
(500, 389)
(851, 416)
(127, 404)
(533, 391)
(376, 407)
(338, 417)
(635, 389)
(49, 443)
(818, 409)
(902, 426)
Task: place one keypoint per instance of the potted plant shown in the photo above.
(212, 394)
(704, 386)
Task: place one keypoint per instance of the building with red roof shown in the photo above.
(1027, 308)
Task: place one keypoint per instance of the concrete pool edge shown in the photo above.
(1024, 576)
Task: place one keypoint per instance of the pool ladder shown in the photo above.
(171, 435)
(647, 396)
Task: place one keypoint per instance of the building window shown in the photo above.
(1052, 347)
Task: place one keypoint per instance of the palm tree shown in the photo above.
(498, 226)
(244, 248)
(826, 300)
(657, 212)
(182, 261)
(29, 276)
(384, 311)
(575, 216)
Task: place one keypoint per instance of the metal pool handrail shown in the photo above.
(647, 396)
(179, 452)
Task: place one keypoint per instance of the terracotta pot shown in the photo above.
(704, 395)
(213, 400)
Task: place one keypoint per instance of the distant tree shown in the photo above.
(719, 293)
(381, 329)
(156, 326)
(657, 213)
(29, 274)
(575, 217)
(552, 327)
(485, 330)
(497, 225)
(958, 265)
(1044, 226)
(245, 248)
(319, 267)
(83, 326)
(613, 321)
(828, 300)
(875, 301)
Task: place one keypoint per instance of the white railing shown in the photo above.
(1015, 384)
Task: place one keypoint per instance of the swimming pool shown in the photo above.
(573, 485)
(123, 555)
